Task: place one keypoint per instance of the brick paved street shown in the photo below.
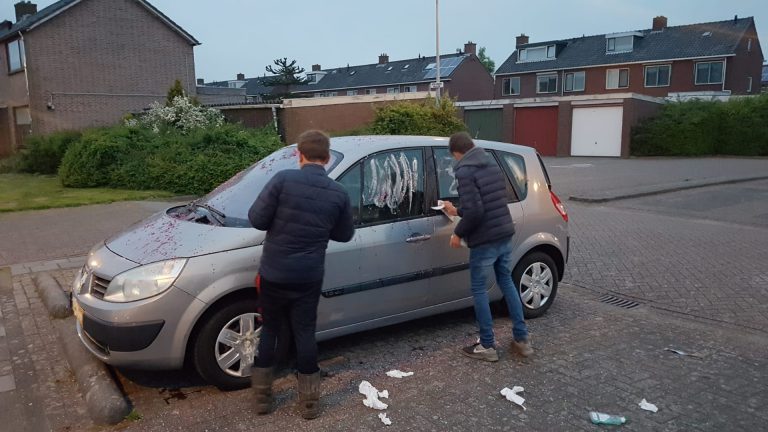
(694, 260)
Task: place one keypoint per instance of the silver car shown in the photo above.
(178, 287)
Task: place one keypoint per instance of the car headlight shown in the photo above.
(145, 281)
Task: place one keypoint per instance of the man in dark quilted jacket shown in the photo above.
(301, 210)
(486, 227)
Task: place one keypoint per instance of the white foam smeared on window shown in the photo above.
(391, 180)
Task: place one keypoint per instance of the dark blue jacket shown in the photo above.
(300, 210)
(482, 200)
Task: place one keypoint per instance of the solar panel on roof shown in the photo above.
(446, 67)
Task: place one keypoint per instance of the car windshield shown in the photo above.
(235, 196)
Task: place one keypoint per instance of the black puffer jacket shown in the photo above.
(300, 210)
(483, 200)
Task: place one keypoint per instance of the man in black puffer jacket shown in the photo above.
(301, 210)
(487, 228)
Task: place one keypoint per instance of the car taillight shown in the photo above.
(559, 206)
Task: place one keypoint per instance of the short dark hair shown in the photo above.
(315, 145)
(460, 142)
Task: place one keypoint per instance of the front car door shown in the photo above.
(384, 271)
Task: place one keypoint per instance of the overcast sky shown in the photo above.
(246, 35)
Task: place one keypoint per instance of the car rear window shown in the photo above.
(546, 174)
(514, 166)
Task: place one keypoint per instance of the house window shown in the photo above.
(546, 84)
(574, 81)
(749, 84)
(351, 92)
(393, 90)
(409, 89)
(319, 94)
(510, 86)
(619, 44)
(370, 91)
(331, 94)
(23, 116)
(749, 45)
(16, 56)
(709, 73)
(538, 53)
(657, 76)
(617, 78)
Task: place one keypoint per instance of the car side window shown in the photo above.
(514, 166)
(352, 182)
(446, 179)
(393, 186)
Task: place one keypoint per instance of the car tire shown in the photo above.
(528, 267)
(205, 345)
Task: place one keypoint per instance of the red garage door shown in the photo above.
(537, 128)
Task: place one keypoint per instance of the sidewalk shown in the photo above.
(54, 234)
(592, 179)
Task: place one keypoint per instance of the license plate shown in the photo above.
(77, 311)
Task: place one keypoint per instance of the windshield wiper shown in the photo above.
(218, 215)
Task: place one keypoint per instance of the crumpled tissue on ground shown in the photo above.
(644, 404)
(512, 395)
(372, 396)
(398, 373)
(385, 419)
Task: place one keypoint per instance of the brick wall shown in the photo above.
(102, 59)
(470, 81)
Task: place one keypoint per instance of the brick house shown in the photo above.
(83, 63)
(582, 96)
(464, 77)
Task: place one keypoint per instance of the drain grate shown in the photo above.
(617, 301)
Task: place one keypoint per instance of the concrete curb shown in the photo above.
(105, 402)
(661, 190)
(53, 297)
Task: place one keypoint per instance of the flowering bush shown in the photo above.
(181, 114)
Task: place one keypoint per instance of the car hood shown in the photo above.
(161, 237)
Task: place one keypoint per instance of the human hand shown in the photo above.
(450, 209)
(455, 241)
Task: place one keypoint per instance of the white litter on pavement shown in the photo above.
(398, 374)
(372, 396)
(385, 419)
(644, 404)
(512, 395)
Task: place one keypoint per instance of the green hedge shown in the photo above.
(697, 128)
(43, 154)
(137, 158)
(418, 118)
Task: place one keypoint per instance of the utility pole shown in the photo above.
(438, 84)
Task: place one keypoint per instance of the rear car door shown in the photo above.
(384, 271)
(455, 285)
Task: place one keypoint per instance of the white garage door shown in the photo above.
(596, 131)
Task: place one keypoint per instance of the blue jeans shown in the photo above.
(497, 256)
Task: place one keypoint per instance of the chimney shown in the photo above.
(23, 9)
(659, 23)
(5, 25)
(521, 40)
(470, 48)
(316, 67)
(200, 81)
(383, 58)
(241, 77)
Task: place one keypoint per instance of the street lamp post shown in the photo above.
(438, 84)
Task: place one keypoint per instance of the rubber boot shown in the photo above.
(309, 395)
(261, 381)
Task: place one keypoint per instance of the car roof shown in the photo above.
(358, 146)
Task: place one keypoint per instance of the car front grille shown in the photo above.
(98, 286)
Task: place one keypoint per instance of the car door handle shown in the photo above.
(416, 237)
